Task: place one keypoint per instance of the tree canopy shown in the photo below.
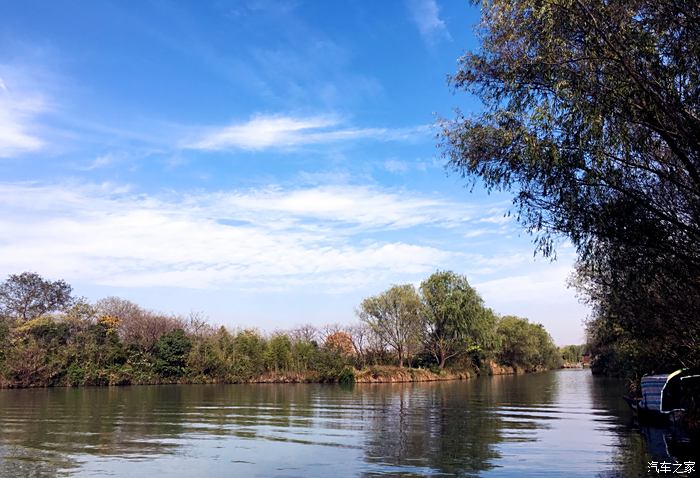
(394, 315)
(592, 118)
(454, 316)
(526, 345)
(27, 296)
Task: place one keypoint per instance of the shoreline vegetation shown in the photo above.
(438, 331)
(589, 120)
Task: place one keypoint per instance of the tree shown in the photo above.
(454, 316)
(305, 333)
(137, 326)
(394, 315)
(171, 351)
(278, 355)
(359, 337)
(27, 296)
(591, 119)
(342, 341)
(591, 116)
(526, 345)
(572, 353)
(248, 354)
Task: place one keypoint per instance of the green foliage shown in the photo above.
(395, 316)
(526, 345)
(454, 315)
(591, 120)
(333, 366)
(75, 375)
(171, 353)
(46, 330)
(303, 355)
(572, 353)
(108, 344)
(278, 356)
(248, 359)
(346, 376)
(4, 341)
(205, 359)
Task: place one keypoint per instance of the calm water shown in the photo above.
(563, 423)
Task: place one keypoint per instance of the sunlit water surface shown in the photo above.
(564, 423)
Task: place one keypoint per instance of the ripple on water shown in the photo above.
(558, 424)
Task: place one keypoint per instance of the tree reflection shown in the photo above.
(450, 427)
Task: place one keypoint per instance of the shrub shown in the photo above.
(332, 365)
(75, 375)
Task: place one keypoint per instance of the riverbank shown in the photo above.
(373, 374)
(388, 374)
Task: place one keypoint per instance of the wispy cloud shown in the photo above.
(356, 206)
(400, 166)
(396, 166)
(102, 161)
(271, 237)
(426, 15)
(277, 131)
(19, 110)
(334, 239)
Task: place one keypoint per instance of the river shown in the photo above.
(563, 423)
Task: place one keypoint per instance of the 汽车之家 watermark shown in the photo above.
(672, 468)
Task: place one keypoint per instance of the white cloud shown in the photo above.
(426, 15)
(271, 237)
(18, 112)
(396, 166)
(541, 294)
(332, 239)
(103, 161)
(476, 233)
(277, 131)
(545, 284)
(361, 207)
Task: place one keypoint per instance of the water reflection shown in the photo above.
(552, 423)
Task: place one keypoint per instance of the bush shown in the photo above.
(75, 375)
(346, 376)
(205, 359)
(333, 366)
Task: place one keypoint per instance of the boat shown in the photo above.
(666, 398)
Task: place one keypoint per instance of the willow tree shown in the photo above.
(455, 318)
(394, 316)
(592, 119)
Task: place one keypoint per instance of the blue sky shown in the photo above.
(265, 163)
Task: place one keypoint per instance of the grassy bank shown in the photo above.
(376, 374)
(385, 374)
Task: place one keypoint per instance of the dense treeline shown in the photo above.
(591, 119)
(49, 338)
